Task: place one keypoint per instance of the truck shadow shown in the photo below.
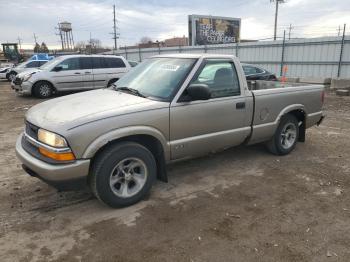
(230, 163)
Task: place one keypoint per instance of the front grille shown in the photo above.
(17, 81)
(32, 130)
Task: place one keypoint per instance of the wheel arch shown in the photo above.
(154, 142)
(300, 114)
(44, 80)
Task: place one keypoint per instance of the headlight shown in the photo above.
(51, 139)
(27, 77)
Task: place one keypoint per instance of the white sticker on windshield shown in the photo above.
(170, 67)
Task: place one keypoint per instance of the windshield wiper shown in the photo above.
(129, 90)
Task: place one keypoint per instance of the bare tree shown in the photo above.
(95, 43)
(80, 45)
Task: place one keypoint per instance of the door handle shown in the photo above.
(240, 105)
(77, 73)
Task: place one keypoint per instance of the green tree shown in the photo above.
(43, 48)
(37, 48)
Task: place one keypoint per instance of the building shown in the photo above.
(176, 41)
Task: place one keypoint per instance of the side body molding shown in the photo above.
(99, 142)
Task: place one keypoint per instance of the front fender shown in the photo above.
(101, 141)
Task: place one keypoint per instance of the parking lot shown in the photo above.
(243, 204)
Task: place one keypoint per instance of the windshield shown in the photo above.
(157, 77)
(48, 64)
(22, 64)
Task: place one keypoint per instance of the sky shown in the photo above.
(162, 19)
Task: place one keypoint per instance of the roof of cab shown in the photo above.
(83, 55)
(203, 55)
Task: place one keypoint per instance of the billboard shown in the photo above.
(210, 30)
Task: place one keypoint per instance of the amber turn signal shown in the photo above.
(57, 156)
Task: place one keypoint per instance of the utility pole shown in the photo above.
(339, 30)
(276, 15)
(19, 43)
(290, 31)
(114, 29)
(341, 51)
(35, 38)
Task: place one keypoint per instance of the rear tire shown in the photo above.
(286, 136)
(42, 89)
(123, 174)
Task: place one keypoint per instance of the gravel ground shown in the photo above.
(243, 204)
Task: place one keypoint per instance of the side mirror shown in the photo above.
(199, 92)
(57, 68)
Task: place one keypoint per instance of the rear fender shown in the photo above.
(265, 131)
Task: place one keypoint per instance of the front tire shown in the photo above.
(286, 136)
(42, 89)
(112, 81)
(123, 174)
(11, 76)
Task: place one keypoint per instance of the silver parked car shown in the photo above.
(22, 67)
(71, 72)
(170, 107)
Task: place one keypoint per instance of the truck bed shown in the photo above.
(273, 102)
(261, 84)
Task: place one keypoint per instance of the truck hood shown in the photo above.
(64, 113)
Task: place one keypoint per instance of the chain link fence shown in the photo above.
(308, 57)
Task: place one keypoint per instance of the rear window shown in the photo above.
(111, 62)
(107, 62)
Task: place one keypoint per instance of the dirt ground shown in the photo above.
(243, 204)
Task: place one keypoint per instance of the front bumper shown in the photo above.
(62, 176)
(25, 88)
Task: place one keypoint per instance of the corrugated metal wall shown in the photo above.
(315, 57)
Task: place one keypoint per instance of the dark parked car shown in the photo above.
(257, 73)
(133, 63)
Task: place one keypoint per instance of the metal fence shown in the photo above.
(312, 57)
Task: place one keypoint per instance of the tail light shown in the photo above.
(322, 96)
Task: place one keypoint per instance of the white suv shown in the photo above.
(71, 72)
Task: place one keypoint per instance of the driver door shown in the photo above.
(199, 127)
